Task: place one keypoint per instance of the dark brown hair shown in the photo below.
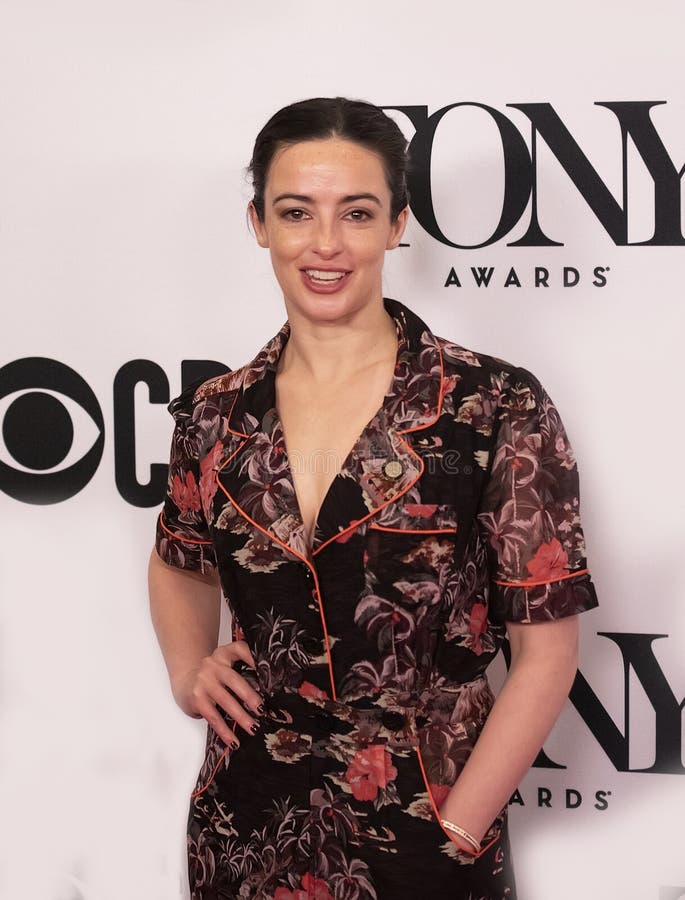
(333, 117)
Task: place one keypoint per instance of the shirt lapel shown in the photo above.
(381, 467)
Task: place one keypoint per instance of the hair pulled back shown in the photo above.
(333, 117)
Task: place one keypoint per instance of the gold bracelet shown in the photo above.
(457, 829)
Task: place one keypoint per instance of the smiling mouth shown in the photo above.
(323, 276)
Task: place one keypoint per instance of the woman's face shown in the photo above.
(327, 225)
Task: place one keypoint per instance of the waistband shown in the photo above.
(388, 716)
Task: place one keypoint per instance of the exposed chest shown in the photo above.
(321, 426)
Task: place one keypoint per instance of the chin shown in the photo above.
(328, 307)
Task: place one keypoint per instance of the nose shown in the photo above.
(327, 238)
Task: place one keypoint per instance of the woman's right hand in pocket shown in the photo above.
(215, 683)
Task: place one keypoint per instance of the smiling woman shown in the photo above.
(381, 507)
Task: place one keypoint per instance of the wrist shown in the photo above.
(461, 819)
(461, 837)
(179, 691)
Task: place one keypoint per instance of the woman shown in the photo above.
(426, 507)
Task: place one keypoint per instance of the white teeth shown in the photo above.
(321, 275)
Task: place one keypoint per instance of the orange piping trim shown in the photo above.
(177, 538)
(211, 777)
(373, 512)
(325, 628)
(440, 399)
(438, 817)
(413, 530)
(229, 458)
(230, 413)
(289, 549)
(534, 583)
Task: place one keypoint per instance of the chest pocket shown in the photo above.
(412, 541)
(417, 518)
(428, 535)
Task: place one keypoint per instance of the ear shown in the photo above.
(257, 226)
(397, 229)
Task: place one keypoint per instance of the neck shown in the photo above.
(330, 351)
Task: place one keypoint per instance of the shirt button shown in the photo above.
(308, 573)
(393, 468)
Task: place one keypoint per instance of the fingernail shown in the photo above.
(234, 745)
(254, 728)
(260, 709)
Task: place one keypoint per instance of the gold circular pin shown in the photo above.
(393, 468)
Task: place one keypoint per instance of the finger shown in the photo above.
(242, 688)
(235, 710)
(225, 656)
(242, 651)
(216, 721)
(211, 684)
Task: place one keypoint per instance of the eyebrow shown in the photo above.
(349, 198)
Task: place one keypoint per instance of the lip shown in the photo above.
(331, 288)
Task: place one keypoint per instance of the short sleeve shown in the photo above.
(183, 539)
(530, 511)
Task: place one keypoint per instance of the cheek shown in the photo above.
(286, 246)
(369, 249)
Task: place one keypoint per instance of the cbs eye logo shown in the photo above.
(53, 433)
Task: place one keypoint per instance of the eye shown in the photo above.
(359, 215)
(52, 431)
(294, 215)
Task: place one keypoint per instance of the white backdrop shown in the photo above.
(126, 127)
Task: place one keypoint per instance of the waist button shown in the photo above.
(392, 720)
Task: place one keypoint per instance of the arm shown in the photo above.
(185, 607)
(529, 518)
(543, 666)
